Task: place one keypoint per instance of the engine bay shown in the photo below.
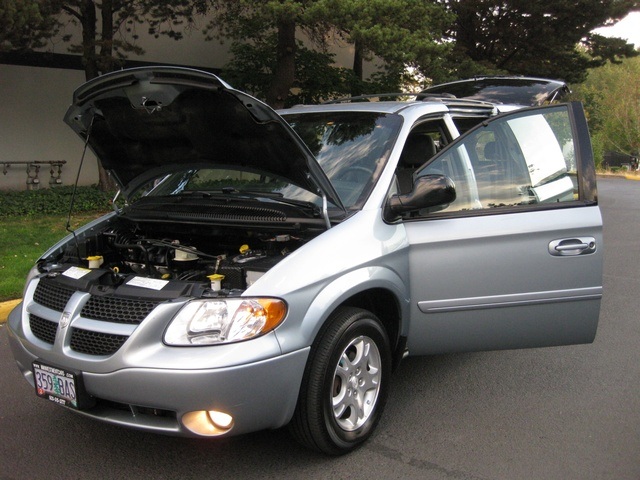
(222, 259)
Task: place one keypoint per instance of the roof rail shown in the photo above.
(377, 96)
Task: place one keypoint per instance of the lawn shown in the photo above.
(23, 240)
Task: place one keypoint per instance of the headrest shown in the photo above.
(418, 149)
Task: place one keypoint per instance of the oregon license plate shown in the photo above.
(55, 384)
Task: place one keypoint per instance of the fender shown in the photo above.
(302, 333)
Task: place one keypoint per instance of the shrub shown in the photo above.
(54, 201)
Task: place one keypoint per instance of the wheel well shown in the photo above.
(385, 306)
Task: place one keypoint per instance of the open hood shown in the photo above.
(144, 122)
(511, 90)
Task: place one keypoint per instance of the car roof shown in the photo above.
(473, 95)
(431, 104)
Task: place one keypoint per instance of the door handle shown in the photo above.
(572, 246)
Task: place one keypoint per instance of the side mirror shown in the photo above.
(428, 191)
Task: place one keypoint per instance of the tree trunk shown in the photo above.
(466, 31)
(106, 45)
(284, 74)
(358, 70)
(89, 34)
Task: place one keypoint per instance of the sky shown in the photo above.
(628, 27)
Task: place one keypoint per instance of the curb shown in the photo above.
(6, 307)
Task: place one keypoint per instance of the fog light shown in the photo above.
(208, 423)
(221, 419)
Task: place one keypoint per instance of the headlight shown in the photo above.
(212, 322)
(30, 276)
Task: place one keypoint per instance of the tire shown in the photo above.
(346, 383)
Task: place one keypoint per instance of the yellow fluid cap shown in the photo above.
(215, 276)
(95, 261)
(244, 248)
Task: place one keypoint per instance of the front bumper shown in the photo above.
(257, 395)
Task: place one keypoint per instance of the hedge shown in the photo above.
(53, 201)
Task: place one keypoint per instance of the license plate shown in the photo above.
(56, 384)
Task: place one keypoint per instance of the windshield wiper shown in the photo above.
(193, 193)
(274, 196)
(320, 212)
(231, 193)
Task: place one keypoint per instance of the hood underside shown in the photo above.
(146, 122)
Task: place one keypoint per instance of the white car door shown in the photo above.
(516, 260)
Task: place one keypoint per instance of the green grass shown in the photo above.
(23, 240)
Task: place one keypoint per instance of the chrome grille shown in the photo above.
(42, 328)
(96, 343)
(52, 295)
(108, 308)
(117, 310)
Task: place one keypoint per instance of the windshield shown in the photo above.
(218, 180)
(351, 147)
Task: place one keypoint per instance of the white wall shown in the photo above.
(33, 102)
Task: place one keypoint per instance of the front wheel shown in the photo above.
(346, 383)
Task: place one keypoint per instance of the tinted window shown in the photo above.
(528, 159)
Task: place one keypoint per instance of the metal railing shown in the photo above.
(33, 171)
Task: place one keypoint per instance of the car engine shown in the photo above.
(230, 259)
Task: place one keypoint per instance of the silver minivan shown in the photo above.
(263, 269)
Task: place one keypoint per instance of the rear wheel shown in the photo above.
(346, 383)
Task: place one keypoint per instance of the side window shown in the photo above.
(424, 141)
(524, 159)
